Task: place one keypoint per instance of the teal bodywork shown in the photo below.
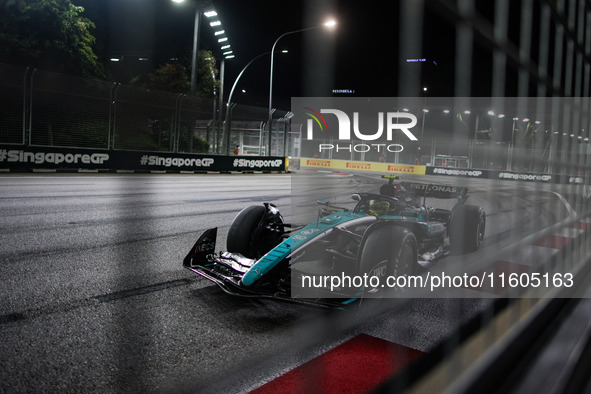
(294, 242)
(306, 234)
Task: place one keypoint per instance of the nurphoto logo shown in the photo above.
(375, 129)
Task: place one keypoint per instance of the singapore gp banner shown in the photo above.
(505, 175)
(28, 158)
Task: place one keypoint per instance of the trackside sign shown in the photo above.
(351, 165)
(26, 158)
(48, 157)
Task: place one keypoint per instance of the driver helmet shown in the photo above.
(377, 208)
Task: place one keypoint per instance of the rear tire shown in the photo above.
(466, 228)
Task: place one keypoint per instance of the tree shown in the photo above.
(169, 77)
(174, 77)
(207, 85)
(49, 34)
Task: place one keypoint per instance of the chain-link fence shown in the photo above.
(12, 101)
(47, 109)
(532, 134)
(41, 108)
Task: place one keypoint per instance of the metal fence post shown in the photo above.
(31, 104)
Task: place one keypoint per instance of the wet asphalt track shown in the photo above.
(94, 298)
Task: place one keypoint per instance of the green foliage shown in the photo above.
(93, 132)
(169, 77)
(200, 145)
(48, 34)
(79, 133)
(175, 77)
(207, 85)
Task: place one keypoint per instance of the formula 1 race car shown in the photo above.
(391, 233)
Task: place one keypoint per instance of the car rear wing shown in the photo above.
(436, 191)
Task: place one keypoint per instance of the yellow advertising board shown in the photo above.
(349, 165)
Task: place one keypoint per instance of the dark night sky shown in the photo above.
(361, 54)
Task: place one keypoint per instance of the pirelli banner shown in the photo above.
(20, 158)
(345, 165)
(349, 165)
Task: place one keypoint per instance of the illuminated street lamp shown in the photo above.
(329, 24)
(511, 145)
(229, 103)
(216, 24)
(240, 75)
(425, 110)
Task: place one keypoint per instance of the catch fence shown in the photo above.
(42, 108)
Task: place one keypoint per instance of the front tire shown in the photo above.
(253, 232)
(242, 230)
(387, 251)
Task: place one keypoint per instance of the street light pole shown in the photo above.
(195, 49)
(209, 13)
(425, 110)
(511, 146)
(327, 24)
(240, 75)
(271, 85)
(226, 132)
(272, 57)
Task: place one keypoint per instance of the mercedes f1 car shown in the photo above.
(391, 233)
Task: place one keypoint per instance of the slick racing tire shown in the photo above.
(241, 236)
(466, 228)
(387, 251)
